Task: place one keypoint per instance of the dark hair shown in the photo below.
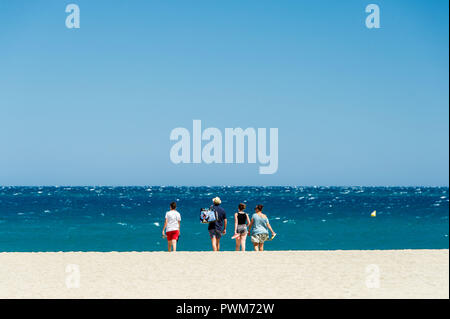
(259, 207)
(241, 206)
(173, 205)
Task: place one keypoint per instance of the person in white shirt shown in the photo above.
(171, 228)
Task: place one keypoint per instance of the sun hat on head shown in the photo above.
(217, 201)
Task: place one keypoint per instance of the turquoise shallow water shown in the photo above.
(311, 218)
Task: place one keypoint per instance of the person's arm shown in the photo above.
(164, 228)
(235, 222)
(270, 227)
(224, 226)
(179, 223)
(250, 225)
(248, 219)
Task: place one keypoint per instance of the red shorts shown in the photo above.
(173, 235)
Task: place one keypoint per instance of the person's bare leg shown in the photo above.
(243, 238)
(214, 243)
(218, 244)
(261, 247)
(256, 246)
(169, 245)
(238, 243)
(174, 245)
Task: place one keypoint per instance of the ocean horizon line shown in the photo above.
(230, 186)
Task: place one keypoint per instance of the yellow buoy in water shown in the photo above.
(374, 214)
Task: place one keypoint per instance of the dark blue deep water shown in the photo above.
(131, 218)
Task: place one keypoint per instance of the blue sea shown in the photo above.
(305, 218)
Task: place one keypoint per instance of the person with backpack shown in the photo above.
(218, 227)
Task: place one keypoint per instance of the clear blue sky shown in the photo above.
(95, 106)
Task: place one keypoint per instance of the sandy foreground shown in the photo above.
(270, 274)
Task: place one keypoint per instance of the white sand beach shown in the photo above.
(270, 274)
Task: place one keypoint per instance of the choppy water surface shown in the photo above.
(131, 218)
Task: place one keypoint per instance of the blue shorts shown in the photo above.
(215, 233)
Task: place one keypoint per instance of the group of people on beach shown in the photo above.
(257, 227)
